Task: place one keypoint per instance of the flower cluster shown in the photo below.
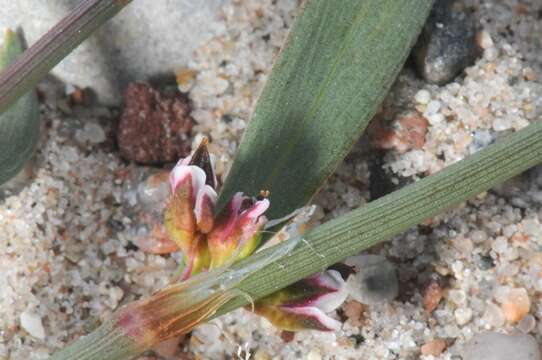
(209, 241)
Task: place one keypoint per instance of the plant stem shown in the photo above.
(51, 48)
(392, 214)
(106, 342)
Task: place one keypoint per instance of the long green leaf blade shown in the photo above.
(19, 125)
(339, 61)
(390, 215)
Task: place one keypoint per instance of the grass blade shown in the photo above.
(58, 42)
(19, 126)
(383, 218)
(337, 65)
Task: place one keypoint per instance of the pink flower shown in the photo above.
(208, 241)
(306, 303)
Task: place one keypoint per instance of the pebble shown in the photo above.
(447, 44)
(375, 280)
(495, 346)
(516, 305)
(314, 355)
(463, 316)
(493, 316)
(90, 133)
(432, 294)
(406, 132)
(423, 97)
(433, 347)
(261, 355)
(31, 322)
(154, 127)
(353, 310)
(527, 324)
(480, 139)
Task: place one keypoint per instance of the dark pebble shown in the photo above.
(485, 262)
(447, 44)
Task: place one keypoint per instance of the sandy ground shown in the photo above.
(67, 260)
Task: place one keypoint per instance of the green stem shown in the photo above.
(106, 342)
(59, 41)
(392, 214)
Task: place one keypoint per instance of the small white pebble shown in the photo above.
(527, 324)
(463, 316)
(432, 107)
(92, 133)
(500, 245)
(484, 40)
(458, 297)
(500, 124)
(493, 316)
(31, 322)
(478, 236)
(423, 97)
(436, 119)
(314, 355)
(495, 346)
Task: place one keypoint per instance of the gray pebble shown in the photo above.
(495, 346)
(480, 139)
(374, 281)
(447, 44)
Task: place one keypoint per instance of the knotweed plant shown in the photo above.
(326, 84)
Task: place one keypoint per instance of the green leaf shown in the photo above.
(19, 125)
(54, 46)
(394, 213)
(338, 63)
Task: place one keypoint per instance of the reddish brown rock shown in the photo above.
(432, 294)
(405, 133)
(154, 127)
(433, 347)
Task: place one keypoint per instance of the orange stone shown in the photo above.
(432, 294)
(433, 347)
(353, 310)
(516, 305)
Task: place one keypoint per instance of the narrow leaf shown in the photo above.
(390, 215)
(58, 42)
(338, 63)
(19, 125)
